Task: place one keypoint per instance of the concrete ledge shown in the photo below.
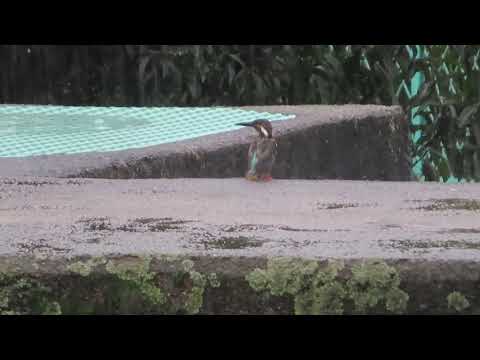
(337, 142)
(218, 246)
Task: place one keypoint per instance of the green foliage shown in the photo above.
(447, 106)
(210, 75)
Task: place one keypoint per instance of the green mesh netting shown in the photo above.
(27, 130)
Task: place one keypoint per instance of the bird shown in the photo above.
(262, 152)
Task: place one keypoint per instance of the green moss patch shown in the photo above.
(457, 301)
(179, 285)
(374, 284)
(126, 285)
(22, 296)
(370, 286)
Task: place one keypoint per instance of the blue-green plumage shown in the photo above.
(252, 162)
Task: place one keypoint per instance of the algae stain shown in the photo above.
(451, 204)
(232, 243)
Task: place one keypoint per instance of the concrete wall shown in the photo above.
(335, 142)
(230, 246)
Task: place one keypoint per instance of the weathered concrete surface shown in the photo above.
(335, 142)
(429, 233)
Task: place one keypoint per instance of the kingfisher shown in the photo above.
(262, 152)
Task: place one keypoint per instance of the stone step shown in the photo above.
(350, 142)
(219, 246)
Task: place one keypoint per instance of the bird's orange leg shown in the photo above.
(266, 178)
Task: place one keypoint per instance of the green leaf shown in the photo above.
(444, 169)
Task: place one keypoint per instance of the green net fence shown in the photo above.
(28, 130)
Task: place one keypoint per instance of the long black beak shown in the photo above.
(245, 124)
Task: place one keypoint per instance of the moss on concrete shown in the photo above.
(176, 285)
(20, 296)
(452, 204)
(138, 276)
(181, 291)
(187, 265)
(194, 300)
(194, 293)
(325, 295)
(323, 291)
(315, 291)
(116, 286)
(85, 268)
(182, 295)
(213, 280)
(457, 301)
(374, 283)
